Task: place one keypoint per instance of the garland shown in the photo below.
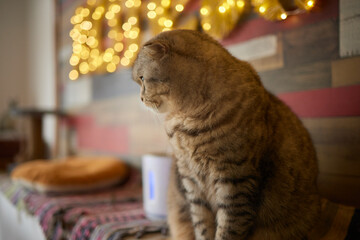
(106, 33)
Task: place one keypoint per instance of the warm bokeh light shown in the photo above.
(106, 33)
(73, 75)
(179, 7)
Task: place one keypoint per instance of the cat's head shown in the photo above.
(174, 71)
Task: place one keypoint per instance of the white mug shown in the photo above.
(155, 178)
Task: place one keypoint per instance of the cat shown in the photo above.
(245, 166)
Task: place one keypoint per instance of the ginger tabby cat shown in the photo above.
(245, 165)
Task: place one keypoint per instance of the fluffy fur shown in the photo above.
(245, 166)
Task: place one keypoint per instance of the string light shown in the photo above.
(162, 14)
(106, 33)
(118, 39)
(218, 18)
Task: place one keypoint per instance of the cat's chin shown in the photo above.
(156, 107)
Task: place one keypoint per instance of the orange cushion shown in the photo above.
(71, 174)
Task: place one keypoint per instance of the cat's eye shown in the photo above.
(141, 78)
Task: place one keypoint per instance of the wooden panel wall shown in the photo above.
(306, 72)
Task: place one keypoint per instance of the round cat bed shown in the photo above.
(75, 174)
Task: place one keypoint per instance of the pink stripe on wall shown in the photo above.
(91, 135)
(329, 102)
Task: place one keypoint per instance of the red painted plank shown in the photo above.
(260, 27)
(329, 102)
(90, 135)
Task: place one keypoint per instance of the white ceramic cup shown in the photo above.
(155, 178)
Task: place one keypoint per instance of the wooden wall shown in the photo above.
(307, 70)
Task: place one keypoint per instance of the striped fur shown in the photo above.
(245, 166)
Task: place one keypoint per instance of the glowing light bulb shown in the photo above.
(85, 54)
(168, 23)
(132, 20)
(151, 14)
(86, 25)
(151, 6)
(128, 54)
(204, 11)
(206, 26)
(73, 75)
(262, 9)
(161, 21)
(165, 3)
(118, 47)
(283, 16)
(85, 12)
(137, 3)
(109, 15)
(115, 8)
(90, 41)
(84, 67)
(222, 9)
(111, 67)
(231, 2)
(92, 66)
(91, 2)
(107, 57)
(96, 15)
(159, 10)
(240, 4)
(100, 9)
(116, 59)
(78, 10)
(133, 34)
(310, 4)
(77, 19)
(92, 33)
(82, 39)
(77, 48)
(74, 60)
(129, 3)
(94, 53)
(126, 26)
(133, 47)
(112, 22)
(179, 7)
(124, 61)
(112, 34)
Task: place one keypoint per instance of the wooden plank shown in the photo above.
(329, 131)
(92, 136)
(339, 188)
(337, 142)
(113, 85)
(298, 78)
(272, 62)
(148, 138)
(345, 72)
(329, 102)
(260, 27)
(339, 158)
(312, 43)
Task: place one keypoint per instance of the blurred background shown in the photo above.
(66, 88)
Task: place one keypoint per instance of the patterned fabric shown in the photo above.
(114, 213)
(76, 216)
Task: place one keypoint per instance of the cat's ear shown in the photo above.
(156, 49)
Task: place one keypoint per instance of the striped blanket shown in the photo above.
(110, 213)
(99, 215)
